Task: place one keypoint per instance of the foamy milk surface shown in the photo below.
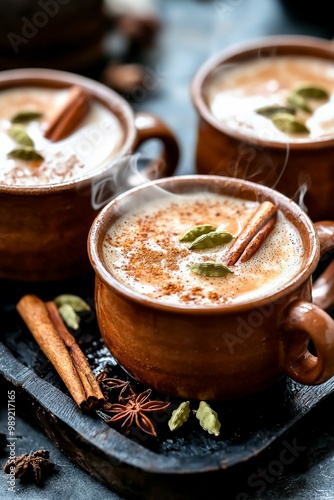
(142, 250)
(236, 91)
(95, 141)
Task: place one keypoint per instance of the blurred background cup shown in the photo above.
(60, 34)
(303, 170)
(44, 228)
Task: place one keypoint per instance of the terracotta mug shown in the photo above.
(295, 169)
(216, 352)
(44, 229)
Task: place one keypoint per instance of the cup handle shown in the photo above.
(323, 287)
(151, 127)
(304, 321)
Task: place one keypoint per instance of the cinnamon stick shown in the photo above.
(258, 239)
(265, 212)
(93, 392)
(50, 332)
(69, 115)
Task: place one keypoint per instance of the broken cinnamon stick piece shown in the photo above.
(263, 214)
(34, 313)
(258, 239)
(92, 389)
(69, 115)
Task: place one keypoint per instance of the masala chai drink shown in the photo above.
(143, 250)
(182, 316)
(96, 139)
(302, 87)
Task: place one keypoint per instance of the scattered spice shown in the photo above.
(260, 218)
(61, 348)
(269, 111)
(289, 124)
(299, 102)
(125, 391)
(100, 377)
(135, 410)
(212, 269)
(70, 317)
(208, 418)
(283, 116)
(33, 467)
(20, 135)
(68, 306)
(210, 240)
(70, 115)
(312, 92)
(258, 239)
(179, 416)
(25, 153)
(195, 231)
(76, 302)
(26, 116)
(213, 296)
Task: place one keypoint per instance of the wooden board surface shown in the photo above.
(183, 464)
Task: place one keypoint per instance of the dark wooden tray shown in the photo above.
(188, 463)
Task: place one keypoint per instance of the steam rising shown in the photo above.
(122, 174)
(304, 183)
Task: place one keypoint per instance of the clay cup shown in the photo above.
(216, 352)
(44, 229)
(301, 171)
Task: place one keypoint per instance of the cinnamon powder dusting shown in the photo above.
(143, 251)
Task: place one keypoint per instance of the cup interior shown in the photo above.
(190, 184)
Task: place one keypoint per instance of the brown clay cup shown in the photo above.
(291, 169)
(217, 352)
(44, 229)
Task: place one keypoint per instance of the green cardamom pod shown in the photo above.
(298, 102)
(212, 269)
(77, 303)
(25, 153)
(289, 124)
(208, 418)
(312, 92)
(179, 416)
(26, 116)
(210, 240)
(69, 316)
(19, 134)
(269, 111)
(195, 231)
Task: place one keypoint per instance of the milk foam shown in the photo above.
(95, 142)
(143, 251)
(237, 91)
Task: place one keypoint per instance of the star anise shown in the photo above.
(31, 467)
(115, 384)
(134, 412)
(102, 375)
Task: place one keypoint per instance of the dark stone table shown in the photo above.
(193, 31)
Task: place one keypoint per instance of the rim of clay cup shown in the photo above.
(245, 50)
(115, 102)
